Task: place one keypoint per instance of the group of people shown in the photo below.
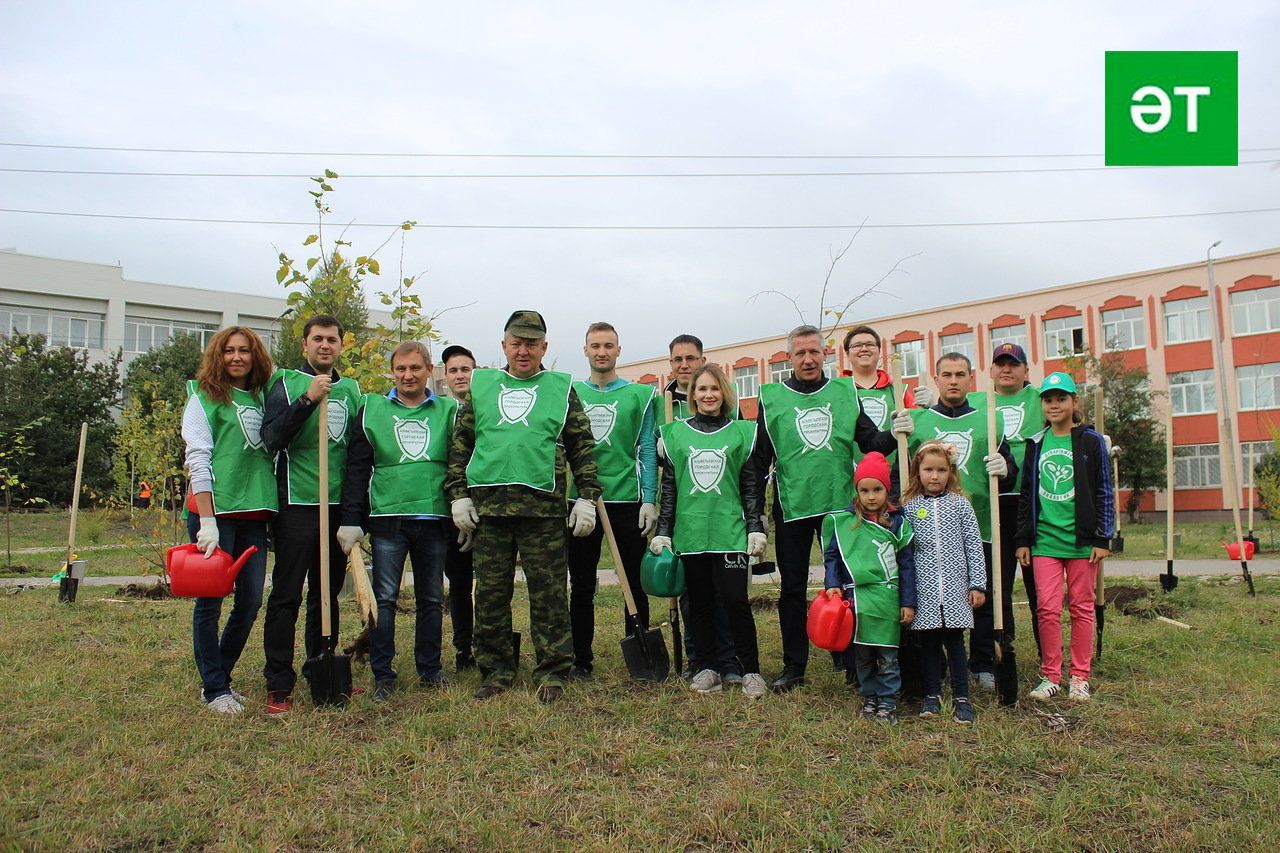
(512, 466)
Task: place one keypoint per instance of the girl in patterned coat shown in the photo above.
(950, 574)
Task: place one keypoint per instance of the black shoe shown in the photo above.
(382, 690)
(931, 706)
(887, 714)
(963, 712)
(464, 662)
(580, 673)
(549, 693)
(689, 673)
(488, 691)
(869, 707)
(790, 679)
(435, 682)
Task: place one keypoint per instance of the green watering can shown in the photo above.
(662, 575)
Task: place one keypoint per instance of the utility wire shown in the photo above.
(515, 156)
(477, 227)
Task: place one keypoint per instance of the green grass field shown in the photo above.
(106, 747)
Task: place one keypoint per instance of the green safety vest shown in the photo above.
(969, 434)
(302, 456)
(878, 404)
(708, 467)
(812, 437)
(410, 454)
(518, 425)
(870, 552)
(616, 418)
(1021, 416)
(243, 476)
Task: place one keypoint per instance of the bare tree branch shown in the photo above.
(837, 315)
(831, 267)
(794, 304)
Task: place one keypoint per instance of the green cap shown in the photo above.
(526, 324)
(1058, 382)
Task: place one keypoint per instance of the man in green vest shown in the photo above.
(459, 363)
(394, 487)
(955, 421)
(522, 425)
(622, 424)
(809, 429)
(291, 429)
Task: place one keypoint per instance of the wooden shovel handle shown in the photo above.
(1168, 484)
(993, 486)
(899, 396)
(322, 499)
(617, 556)
(75, 495)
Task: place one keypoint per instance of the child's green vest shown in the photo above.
(870, 552)
(708, 468)
(410, 454)
(812, 436)
(243, 478)
(1022, 416)
(616, 418)
(302, 456)
(969, 435)
(518, 423)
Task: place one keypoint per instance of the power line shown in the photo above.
(524, 156)
(571, 175)
(479, 227)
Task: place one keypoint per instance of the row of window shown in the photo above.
(60, 328)
(746, 380)
(1194, 392)
(1199, 466)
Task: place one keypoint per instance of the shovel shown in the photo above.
(328, 672)
(673, 604)
(1117, 541)
(1006, 658)
(74, 569)
(365, 602)
(1168, 580)
(643, 649)
(1100, 587)
(899, 399)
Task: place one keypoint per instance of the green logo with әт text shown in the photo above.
(1172, 108)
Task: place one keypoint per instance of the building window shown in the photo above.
(779, 371)
(1193, 392)
(912, 353)
(1124, 328)
(829, 368)
(1009, 335)
(1063, 337)
(963, 343)
(60, 328)
(1251, 456)
(1254, 311)
(143, 334)
(1259, 385)
(268, 336)
(1196, 466)
(746, 381)
(1186, 320)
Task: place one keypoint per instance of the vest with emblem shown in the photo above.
(878, 405)
(518, 423)
(1022, 416)
(616, 418)
(243, 478)
(969, 434)
(870, 552)
(302, 456)
(812, 437)
(708, 468)
(410, 455)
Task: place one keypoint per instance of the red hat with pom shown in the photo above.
(873, 466)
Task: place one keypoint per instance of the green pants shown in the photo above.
(541, 545)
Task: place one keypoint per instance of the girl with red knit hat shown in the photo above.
(869, 560)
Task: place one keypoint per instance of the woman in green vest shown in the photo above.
(712, 501)
(233, 495)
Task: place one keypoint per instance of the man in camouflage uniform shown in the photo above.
(523, 423)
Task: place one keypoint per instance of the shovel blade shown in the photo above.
(645, 654)
(1007, 675)
(330, 678)
(1117, 544)
(67, 588)
(1168, 582)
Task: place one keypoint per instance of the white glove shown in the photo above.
(464, 515)
(755, 544)
(648, 518)
(349, 536)
(465, 540)
(582, 518)
(996, 466)
(924, 396)
(207, 536)
(902, 423)
(658, 544)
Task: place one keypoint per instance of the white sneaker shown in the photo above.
(1046, 691)
(239, 697)
(226, 705)
(985, 680)
(753, 686)
(707, 681)
(1079, 690)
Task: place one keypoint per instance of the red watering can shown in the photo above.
(191, 575)
(1233, 549)
(830, 622)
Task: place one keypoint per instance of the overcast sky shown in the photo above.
(665, 78)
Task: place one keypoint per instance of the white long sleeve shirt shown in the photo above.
(199, 438)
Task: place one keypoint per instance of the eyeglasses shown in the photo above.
(855, 347)
(685, 359)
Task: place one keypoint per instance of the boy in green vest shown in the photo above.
(394, 486)
(459, 363)
(503, 460)
(291, 429)
(622, 423)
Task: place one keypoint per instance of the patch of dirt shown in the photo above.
(1140, 602)
(157, 591)
(359, 646)
(764, 602)
(18, 569)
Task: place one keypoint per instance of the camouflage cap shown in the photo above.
(526, 324)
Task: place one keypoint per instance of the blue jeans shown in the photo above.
(215, 658)
(423, 541)
(878, 674)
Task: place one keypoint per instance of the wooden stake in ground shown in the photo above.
(1099, 589)
(1006, 660)
(1168, 580)
(71, 574)
(899, 397)
(673, 604)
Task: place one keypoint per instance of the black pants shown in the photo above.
(297, 535)
(709, 577)
(1008, 529)
(982, 637)
(931, 646)
(793, 542)
(584, 557)
(461, 575)
(721, 657)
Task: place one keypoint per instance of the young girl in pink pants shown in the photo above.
(1066, 519)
